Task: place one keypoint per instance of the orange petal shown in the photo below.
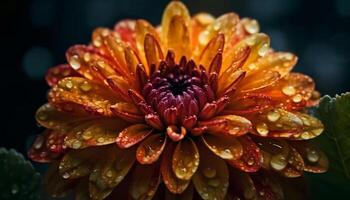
(44, 149)
(277, 123)
(153, 51)
(216, 45)
(78, 163)
(145, 181)
(234, 60)
(248, 104)
(82, 94)
(312, 127)
(133, 135)
(229, 81)
(55, 74)
(128, 112)
(185, 195)
(173, 184)
(211, 180)
(281, 62)
(93, 132)
(251, 159)
(281, 157)
(55, 185)
(185, 159)
(106, 176)
(178, 36)
(229, 125)
(258, 81)
(84, 58)
(199, 23)
(150, 149)
(291, 92)
(225, 147)
(174, 8)
(314, 159)
(225, 24)
(126, 30)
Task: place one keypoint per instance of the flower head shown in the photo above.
(196, 107)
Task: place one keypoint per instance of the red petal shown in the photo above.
(59, 72)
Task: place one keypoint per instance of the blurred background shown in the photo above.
(36, 33)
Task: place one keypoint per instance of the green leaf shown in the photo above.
(18, 179)
(335, 141)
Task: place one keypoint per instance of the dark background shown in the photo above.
(35, 35)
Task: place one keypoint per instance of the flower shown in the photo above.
(196, 107)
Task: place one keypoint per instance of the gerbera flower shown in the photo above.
(196, 108)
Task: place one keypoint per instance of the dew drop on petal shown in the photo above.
(263, 50)
(209, 172)
(66, 175)
(214, 182)
(85, 86)
(203, 37)
(69, 85)
(278, 162)
(288, 90)
(273, 115)
(76, 144)
(252, 26)
(297, 98)
(312, 155)
(262, 129)
(74, 62)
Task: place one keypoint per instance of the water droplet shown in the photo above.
(97, 41)
(203, 37)
(312, 155)
(66, 175)
(278, 162)
(214, 182)
(252, 26)
(252, 66)
(74, 62)
(87, 135)
(69, 84)
(85, 86)
(87, 57)
(263, 50)
(288, 56)
(288, 90)
(100, 140)
(109, 174)
(209, 172)
(273, 115)
(262, 129)
(250, 161)
(305, 135)
(76, 144)
(297, 98)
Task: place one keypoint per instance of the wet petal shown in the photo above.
(281, 157)
(248, 104)
(82, 94)
(234, 60)
(291, 92)
(216, 45)
(312, 127)
(178, 36)
(251, 159)
(185, 195)
(229, 81)
(93, 132)
(55, 185)
(315, 160)
(241, 185)
(225, 24)
(153, 51)
(258, 81)
(145, 181)
(126, 30)
(150, 149)
(173, 184)
(225, 147)
(211, 180)
(275, 61)
(228, 125)
(55, 74)
(128, 112)
(185, 159)
(47, 146)
(199, 22)
(78, 163)
(133, 135)
(277, 123)
(174, 8)
(106, 176)
(267, 186)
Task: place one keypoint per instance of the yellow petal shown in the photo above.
(150, 149)
(216, 45)
(178, 37)
(185, 159)
(225, 147)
